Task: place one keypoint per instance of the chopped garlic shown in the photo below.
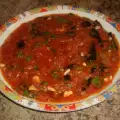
(67, 71)
(67, 93)
(2, 65)
(84, 64)
(36, 79)
(111, 77)
(81, 44)
(106, 79)
(82, 54)
(97, 27)
(51, 89)
(32, 87)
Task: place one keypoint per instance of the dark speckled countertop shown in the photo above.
(108, 110)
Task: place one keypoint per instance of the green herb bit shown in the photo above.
(53, 36)
(53, 50)
(20, 54)
(36, 67)
(46, 42)
(55, 74)
(97, 82)
(28, 58)
(44, 83)
(25, 92)
(67, 77)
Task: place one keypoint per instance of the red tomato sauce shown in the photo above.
(59, 58)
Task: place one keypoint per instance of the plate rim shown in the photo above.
(46, 107)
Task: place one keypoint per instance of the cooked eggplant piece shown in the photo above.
(93, 69)
(114, 45)
(94, 33)
(92, 53)
(86, 24)
(87, 84)
(67, 77)
(21, 44)
(96, 23)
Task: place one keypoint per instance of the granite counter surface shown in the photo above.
(108, 110)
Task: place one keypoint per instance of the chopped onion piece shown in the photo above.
(51, 89)
(84, 64)
(67, 93)
(32, 87)
(111, 77)
(82, 54)
(2, 65)
(36, 79)
(106, 79)
(67, 71)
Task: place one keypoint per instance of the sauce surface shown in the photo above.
(59, 58)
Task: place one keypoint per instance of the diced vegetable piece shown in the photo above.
(21, 44)
(73, 27)
(46, 42)
(89, 81)
(55, 74)
(94, 33)
(51, 89)
(69, 85)
(86, 24)
(25, 92)
(114, 45)
(87, 84)
(33, 88)
(93, 68)
(67, 71)
(36, 79)
(36, 67)
(28, 58)
(2, 65)
(102, 67)
(67, 77)
(53, 36)
(44, 83)
(20, 54)
(92, 53)
(96, 23)
(97, 82)
(67, 93)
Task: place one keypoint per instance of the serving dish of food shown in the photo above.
(59, 60)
